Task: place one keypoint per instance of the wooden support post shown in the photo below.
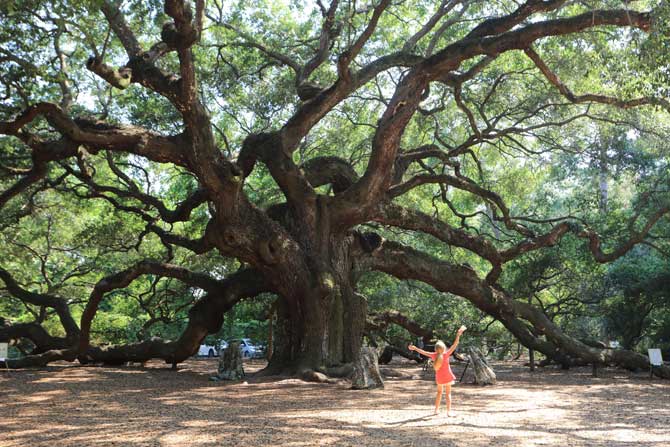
(531, 359)
(484, 375)
(464, 370)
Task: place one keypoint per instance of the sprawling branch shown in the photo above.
(636, 237)
(442, 10)
(35, 174)
(465, 184)
(34, 332)
(410, 219)
(312, 111)
(124, 278)
(180, 213)
(98, 135)
(406, 263)
(328, 31)
(350, 54)
(140, 67)
(591, 98)
(501, 24)
(57, 303)
(118, 23)
(356, 203)
(250, 41)
(182, 34)
(205, 317)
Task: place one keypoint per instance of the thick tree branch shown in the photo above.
(406, 263)
(442, 10)
(328, 32)
(591, 98)
(464, 184)
(350, 54)
(401, 217)
(501, 24)
(125, 277)
(57, 303)
(376, 180)
(34, 332)
(98, 135)
(118, 23)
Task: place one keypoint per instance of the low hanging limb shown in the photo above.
(205, 317)
(407, 263)
(379, 322)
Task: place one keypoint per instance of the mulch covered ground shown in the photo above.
(66, 405)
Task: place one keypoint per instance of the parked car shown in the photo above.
(262, 348)
(248, 349)
(206, 350)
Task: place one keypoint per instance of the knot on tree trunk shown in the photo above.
(269, 250)
(369, 241)
(308, 90)
(119, 78)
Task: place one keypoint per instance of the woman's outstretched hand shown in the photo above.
(461, 330)
(411, 347)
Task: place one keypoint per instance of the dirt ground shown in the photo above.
(66, 405)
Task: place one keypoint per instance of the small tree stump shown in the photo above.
(230, 364)
(484, 375)
(366, 370)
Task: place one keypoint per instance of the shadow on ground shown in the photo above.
(65, 405)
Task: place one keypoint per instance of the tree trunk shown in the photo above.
(230, 364)
(484, 375)
(320, 327)
(320, 333)
(366, 370)
(603, 171)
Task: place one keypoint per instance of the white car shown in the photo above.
(248, 349)
(212, 351)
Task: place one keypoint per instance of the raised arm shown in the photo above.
(454, 345)
(411, 347)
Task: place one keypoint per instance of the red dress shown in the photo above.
(443, 375)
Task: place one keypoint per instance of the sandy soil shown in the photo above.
(67, 405)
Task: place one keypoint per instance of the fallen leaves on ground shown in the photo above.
(71, 405)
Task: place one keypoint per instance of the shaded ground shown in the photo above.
(65, 405)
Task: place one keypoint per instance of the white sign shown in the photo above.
(655, 357)
(4, 347)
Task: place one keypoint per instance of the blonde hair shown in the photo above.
(440, 344)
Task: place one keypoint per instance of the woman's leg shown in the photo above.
(448, 392)
(438, 398)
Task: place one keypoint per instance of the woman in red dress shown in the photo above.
(444, 377)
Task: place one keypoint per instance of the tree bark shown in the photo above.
(484, 375)
(230, 364)
(366, 370)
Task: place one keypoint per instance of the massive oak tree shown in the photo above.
(306, 140)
